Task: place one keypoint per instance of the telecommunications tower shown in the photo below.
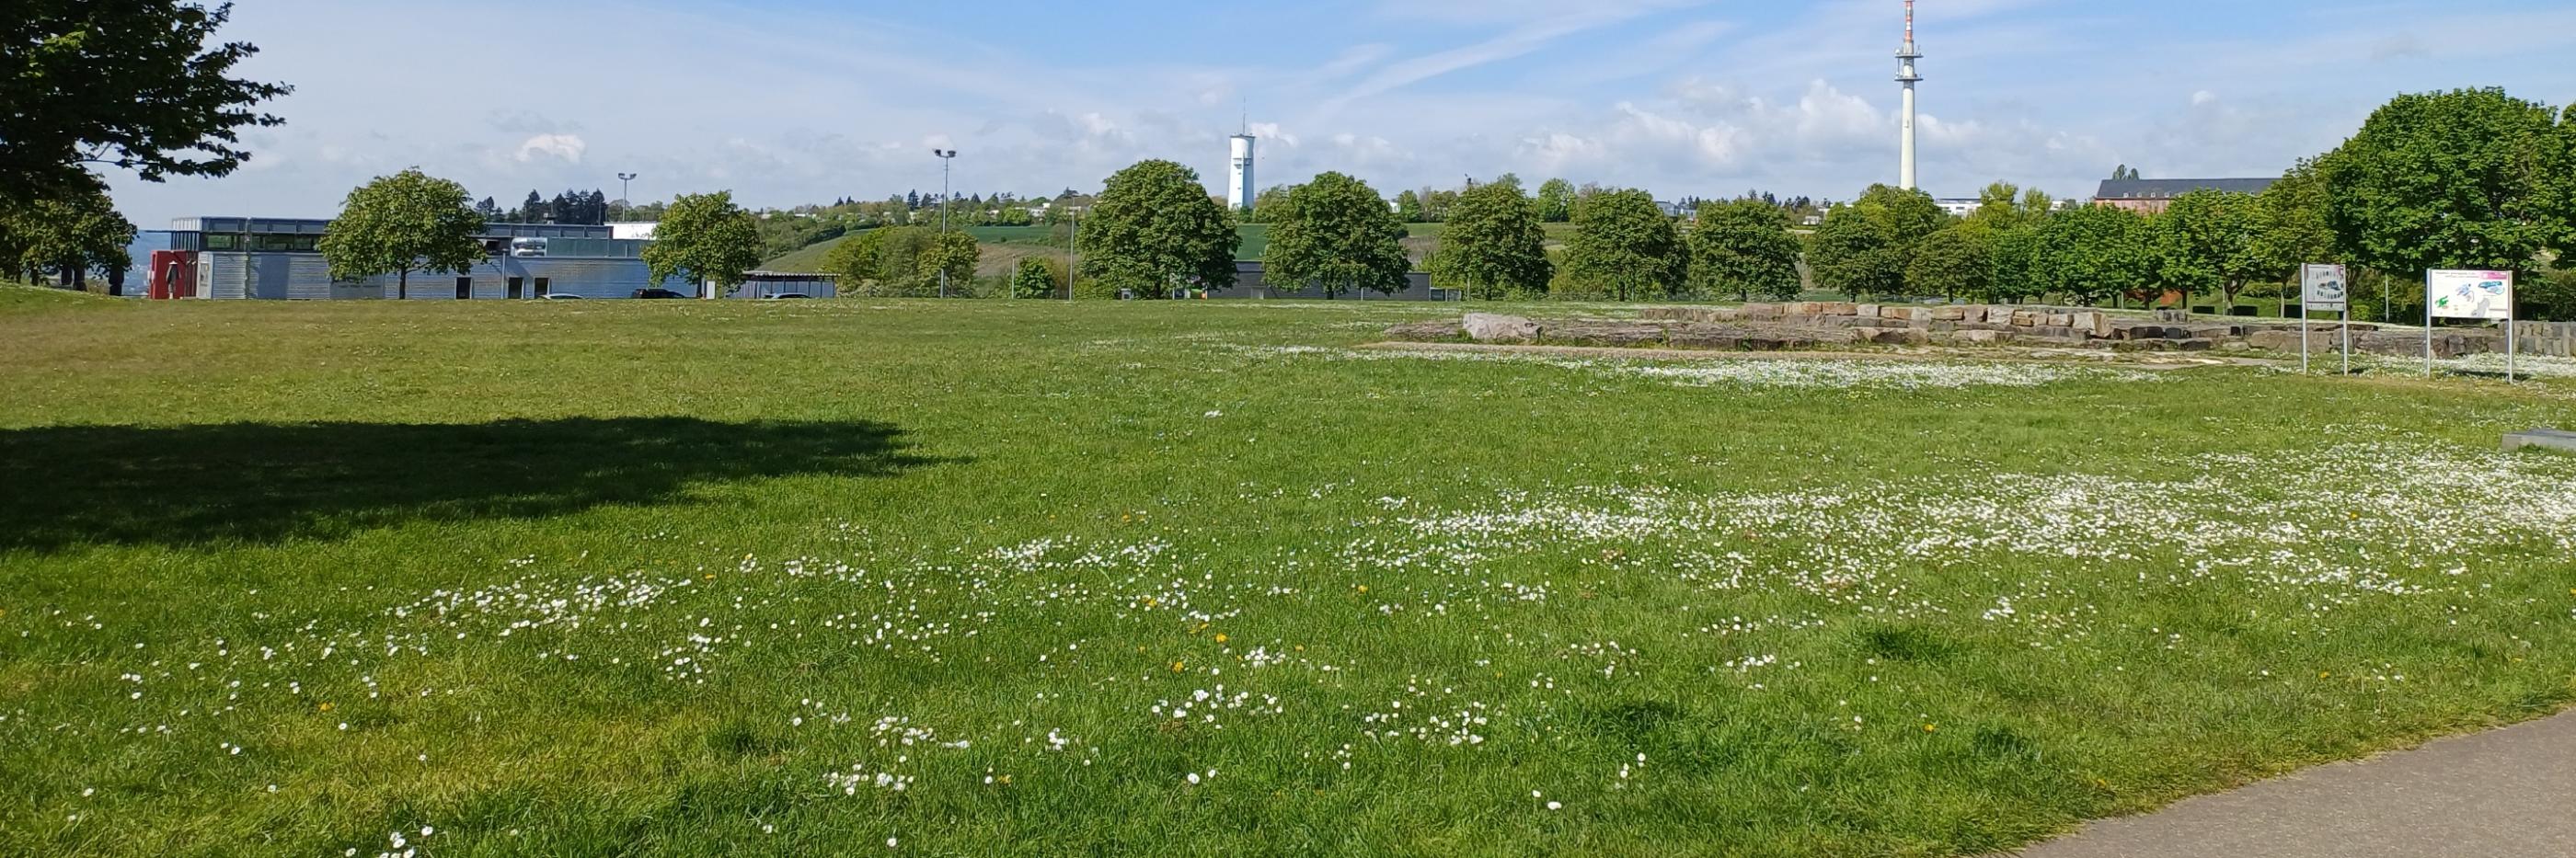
(1906, 75)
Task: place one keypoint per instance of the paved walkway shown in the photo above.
(2508, 793)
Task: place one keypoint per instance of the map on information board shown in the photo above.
(2469, 294)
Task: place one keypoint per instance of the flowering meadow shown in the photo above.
(842, 578)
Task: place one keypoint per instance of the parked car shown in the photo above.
(563, 297)
(657, 293)
(785, 295)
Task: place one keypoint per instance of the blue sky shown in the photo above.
(795, 101)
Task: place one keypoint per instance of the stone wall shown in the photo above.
(2555, 339)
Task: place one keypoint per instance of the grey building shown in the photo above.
(280, 258)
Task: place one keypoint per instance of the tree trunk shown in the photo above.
(402, 285)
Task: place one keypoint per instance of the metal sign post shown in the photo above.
(2322, 287)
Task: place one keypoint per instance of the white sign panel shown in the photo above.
(2321, 287)
(2469, 294)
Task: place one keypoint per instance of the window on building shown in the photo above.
(544, 288)
(511, 288)
(464, 288)
(223, 241)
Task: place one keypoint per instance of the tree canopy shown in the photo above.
(1744, 248)
(1951, 262)
(72, 236)
(1852, 254)
(409, 221)
(1038, 277)
(1336, 234)
(1555, 201)
(707, 236)
(1493, 246)
(2094, 253)
(1624, 245)
(2471, 178)
(2206, 241)
(124, 83)
(1154, 229)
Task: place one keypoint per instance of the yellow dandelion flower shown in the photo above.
(1176, 667)
(1927, 728)
(326, 706)
(1220, 637)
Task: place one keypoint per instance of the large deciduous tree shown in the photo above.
(1555, 201)
(1744, 248)
(1624, 245)
(71, 236)
(2013, 263)
(1850, 253)
(1493, 246)
(2290, 220)
(2096, 252)
(2471, 178)
(1951, 262)
(1153, 230)
(409, 221)
(2207, 241)
(1335, 233)
(707, 236)
(124, 83)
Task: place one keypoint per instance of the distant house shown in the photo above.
(1958, 207)
(2152, 196)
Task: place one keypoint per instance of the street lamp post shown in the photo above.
(623, 195)
(945, 157)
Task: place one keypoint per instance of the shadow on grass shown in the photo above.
(63, 486)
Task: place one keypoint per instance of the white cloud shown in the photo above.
(561, 147)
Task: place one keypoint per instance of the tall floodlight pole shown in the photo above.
(1072, 250)
(622, 198)
(945, 156)
(1906, 75)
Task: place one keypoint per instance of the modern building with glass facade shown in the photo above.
(280, 258)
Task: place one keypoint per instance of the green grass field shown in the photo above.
(977, 578)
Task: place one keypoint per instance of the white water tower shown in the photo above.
(1238, 177)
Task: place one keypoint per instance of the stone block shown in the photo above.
(2547, 439)
(1803, 308)
(1975, 313)
(1761, 311)
(1978, 338)
(1894, 337)
(1837, 308)
(1949, 314)
(1604, 333)
(1496, 328)
(2058, 320)
(1866, 311)
(2025, 319)
(1900, 313)
(1431, 331)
